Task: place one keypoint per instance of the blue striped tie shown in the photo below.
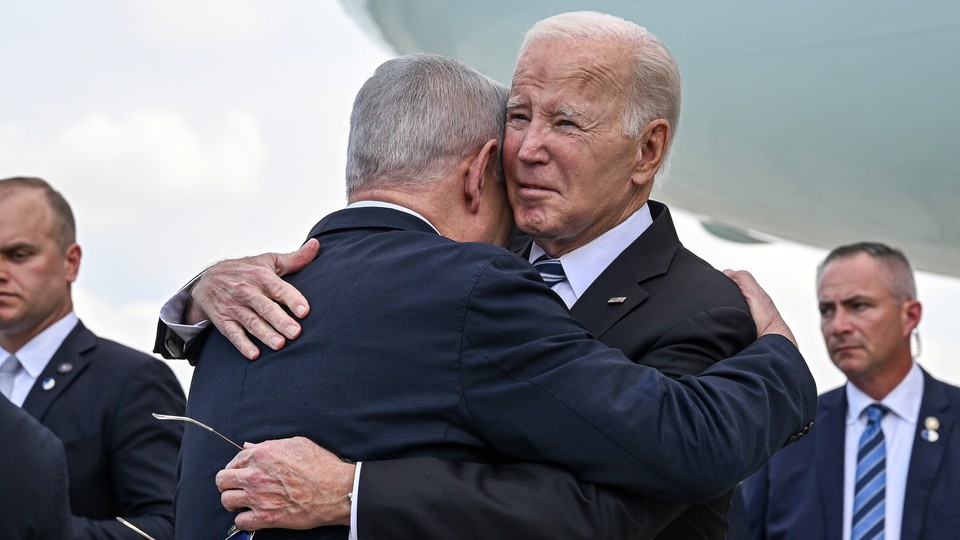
(870, 490)
(550, 270)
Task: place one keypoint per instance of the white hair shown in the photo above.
(654, 91)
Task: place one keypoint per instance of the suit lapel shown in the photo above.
(828, 460)
(647, 257)
(595, 310)
(925, 458)
(57, 376)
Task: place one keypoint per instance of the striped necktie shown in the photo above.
(870, 490)
(550, 269)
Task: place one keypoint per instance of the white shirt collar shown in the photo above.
(382, 204)
(904, 400)
(36, 353)
(584, 264)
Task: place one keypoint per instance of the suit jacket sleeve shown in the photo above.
(540, 389)
(479, 501)
(143, 456)
(437, 499)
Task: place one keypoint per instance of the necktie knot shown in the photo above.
(550, 269)
(875, 413)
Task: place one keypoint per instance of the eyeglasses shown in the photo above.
(235, 533)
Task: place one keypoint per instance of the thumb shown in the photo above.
(288, 263)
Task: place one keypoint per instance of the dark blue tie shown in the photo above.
(550, 270)
(870, 490)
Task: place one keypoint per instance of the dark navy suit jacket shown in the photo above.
(33, 491)
(420, 346)
(680, 316)
(122, 461)
(799, 494)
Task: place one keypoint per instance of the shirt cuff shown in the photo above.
(353, 503)
(171, 314)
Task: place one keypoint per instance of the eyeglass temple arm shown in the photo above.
(195, 422)
(135, 528)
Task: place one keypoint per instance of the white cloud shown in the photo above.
(148, 155)
(179, 23)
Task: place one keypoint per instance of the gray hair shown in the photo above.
(899, 274)
(655, 88)
(417, 117)
(67, 226)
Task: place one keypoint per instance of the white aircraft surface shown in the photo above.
(819, 122)
(187, 131)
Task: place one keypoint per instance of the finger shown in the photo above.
(262, 329)
(288, 263)
(229, 478)
(249, 520)
(288, 295)
(236, 499)
(272, 313)
(265, 294)
(240, 461)
(235, 333)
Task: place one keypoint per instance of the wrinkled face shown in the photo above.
(866, 330)
(570, 169)
(35, 273)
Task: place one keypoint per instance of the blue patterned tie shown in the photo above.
(550, 270)
(870, 490)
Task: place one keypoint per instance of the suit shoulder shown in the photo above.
(952, 392)
(700, 282)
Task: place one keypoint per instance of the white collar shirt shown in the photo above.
(583, 265)
(382, 204)
(899, 427)
(36, 354)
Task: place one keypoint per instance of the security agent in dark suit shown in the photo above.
(96, 396)
(490, 311)
(33, 493)
(869, 308)
(582, 191)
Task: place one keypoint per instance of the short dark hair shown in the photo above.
(899, 273)
(67, 230)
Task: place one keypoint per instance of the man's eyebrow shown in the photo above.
(17, 246)
(566, 111)
(513, 103)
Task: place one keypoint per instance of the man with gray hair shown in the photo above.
(884, 460)
(422, 346)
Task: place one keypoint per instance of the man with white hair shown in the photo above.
(594, 104)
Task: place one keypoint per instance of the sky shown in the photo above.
(187, 131)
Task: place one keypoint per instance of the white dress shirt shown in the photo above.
(584, 264)
(36, 354)
(899, 426)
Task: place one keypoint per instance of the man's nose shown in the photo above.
(532, 148)
(840, 323)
